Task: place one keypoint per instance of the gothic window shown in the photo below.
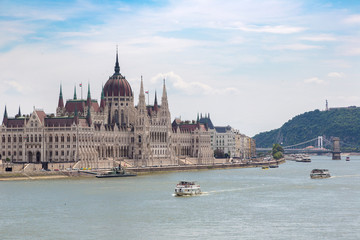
(68, 138)
(62, 138)
(20, 138)
(139, 138)
(50, 138)
(20, 153)
(122, 117)
(35, 138)
(14, 138)
(3, 139)
(14, 153)
(74, 138)
(116, 116)
(31, 138)
(39, 138)
(9, 139)
(56, 138)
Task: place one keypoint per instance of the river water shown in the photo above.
(282, 203)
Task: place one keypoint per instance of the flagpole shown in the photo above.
(148, 98)
(81, 90)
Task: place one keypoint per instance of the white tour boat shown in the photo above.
(320, 173)
(185, 188)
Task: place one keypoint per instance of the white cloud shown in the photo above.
(14, 86)
(319, 38)
(314, 80)
(296, 47)
(191, 87)
(353, 19)
(280, 29)
(336, 74)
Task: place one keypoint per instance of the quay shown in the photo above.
(66, 173)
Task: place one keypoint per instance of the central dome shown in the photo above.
(117, 85)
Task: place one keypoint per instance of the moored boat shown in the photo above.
(320, 173)
(115, 172)
(273, 166)
(303, 158)
(347, 158)
(185, 188)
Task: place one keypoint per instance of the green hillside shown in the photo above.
(343, 123)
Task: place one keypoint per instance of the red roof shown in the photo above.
(80, 105)
(117, 85)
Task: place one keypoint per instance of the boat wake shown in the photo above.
(345, 176)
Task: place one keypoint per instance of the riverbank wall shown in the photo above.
(39, 175)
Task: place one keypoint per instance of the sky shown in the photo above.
(250, 64)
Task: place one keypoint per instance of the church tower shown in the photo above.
(141, 131)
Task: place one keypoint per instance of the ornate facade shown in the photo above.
(86, 133)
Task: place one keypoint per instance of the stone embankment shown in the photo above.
(38, 175)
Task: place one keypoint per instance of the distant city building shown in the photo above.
(229, 140)
(87, 134)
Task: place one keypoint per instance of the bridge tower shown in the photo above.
(320, 142)
(336, 149)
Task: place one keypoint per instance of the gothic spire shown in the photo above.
(102, 101)
(88, 101)
(61, 101)
(5, 116)
(142, 103)
(155, 103)
(197, 120)
(117, 67)
(75, 93)
(19, 113)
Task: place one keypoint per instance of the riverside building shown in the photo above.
(84, 133)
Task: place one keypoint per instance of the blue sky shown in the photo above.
(251, 64)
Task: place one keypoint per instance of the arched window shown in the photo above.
(74, 138)
(50, 138)
(35, 138)
(68, 138)
(62, 138)
(3, 138)
(9, 139)
(139, 138)
(14, 139)
(56, 138)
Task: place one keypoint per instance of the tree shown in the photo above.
(277, 151)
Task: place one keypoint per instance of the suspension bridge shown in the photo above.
(318, 145)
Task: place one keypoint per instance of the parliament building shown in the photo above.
(85, 133)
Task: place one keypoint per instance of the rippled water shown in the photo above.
(281, 203)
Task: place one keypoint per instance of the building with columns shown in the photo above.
(88, 134)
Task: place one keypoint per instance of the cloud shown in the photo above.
(13, 86)
(296, 47)
(319, 38)
(280, 29)
(191, 87)
(314, 80)
(353, 19)
(336, 74)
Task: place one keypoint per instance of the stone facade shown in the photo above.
(87, 134)
(229, 140)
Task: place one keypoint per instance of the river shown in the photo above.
(280, 203)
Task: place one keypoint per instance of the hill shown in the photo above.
(339, 122)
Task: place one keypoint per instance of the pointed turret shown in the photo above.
(19, 113)
(5, 117)
(102, 101)
(75, 93)
(197, 119)
(165, 113)
(61, 101)
(88, 101)
(117, 66)
(156, 107)
(142, 104)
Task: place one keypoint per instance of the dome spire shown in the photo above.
(117, 67)
(75, 92)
